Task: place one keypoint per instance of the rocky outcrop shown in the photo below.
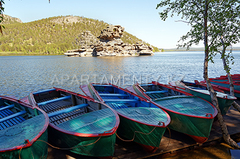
(10, 20)
(109, 43)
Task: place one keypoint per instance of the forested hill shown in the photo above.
(53, 35)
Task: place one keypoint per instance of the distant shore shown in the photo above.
(194, 49)
(24, 54)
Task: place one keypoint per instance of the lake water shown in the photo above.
(21, 75)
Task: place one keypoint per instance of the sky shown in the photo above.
(138, 17)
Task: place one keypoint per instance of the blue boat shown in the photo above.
(140, 120)
(78, 123)
(189, 115)
(224, 100)
(23, 130)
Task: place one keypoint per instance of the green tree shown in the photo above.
(202, 16)
(1, 15)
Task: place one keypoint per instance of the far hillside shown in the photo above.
(54, 35)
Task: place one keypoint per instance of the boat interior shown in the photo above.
(118, 99)
(156, 91)
(12, 113)
(63, 106)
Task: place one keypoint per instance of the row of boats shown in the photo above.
(88, 125)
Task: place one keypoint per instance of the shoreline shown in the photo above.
(25, 54)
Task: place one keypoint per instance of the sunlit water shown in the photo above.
(21, 75)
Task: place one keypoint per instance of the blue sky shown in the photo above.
(138, 17)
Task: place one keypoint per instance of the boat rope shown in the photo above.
(69, 148)
(135, 135)
(55, 147)
(20, 152)
(157, 154)
(169, 139)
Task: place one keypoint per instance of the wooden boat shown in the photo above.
(78, 123)
(189, 115)
(140, 121)
(224, 100)
(23, 130)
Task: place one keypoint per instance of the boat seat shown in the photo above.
(44, 91)
(12, 116)
(54, 100)
(150, 92)
(105, 85)
(113, 95)
(120, 101)
(143, 85)
(118, 105)
(6, 107)
(67, 110)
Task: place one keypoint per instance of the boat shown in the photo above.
(224, 100)
(218, 86)
(78, 123)
(140, 120)
(23, 130)
(226, 84)
(189, 115)
(234, 77)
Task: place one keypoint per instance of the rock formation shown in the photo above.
(109, 44)
(10, 20)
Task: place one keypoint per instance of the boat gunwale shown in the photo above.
(226, 82)
(203, 83)
(30, 143)
(142, 99)
(107, 133)
(195, 116)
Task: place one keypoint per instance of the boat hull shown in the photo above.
(102, 146)
(27, 139)
(196, 126)
(149, 137)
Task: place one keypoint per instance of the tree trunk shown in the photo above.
(235, 104)
(225, 133)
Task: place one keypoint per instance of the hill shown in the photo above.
(54, 35)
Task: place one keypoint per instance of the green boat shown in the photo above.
(189, 115)
(224, 100)
(78, 123)
(23, 130)
(140, 121)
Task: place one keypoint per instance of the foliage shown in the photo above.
(53, 35)
(223, 23)
(1, 14)
(211, 21)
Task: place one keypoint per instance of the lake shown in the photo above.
(21, 75)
